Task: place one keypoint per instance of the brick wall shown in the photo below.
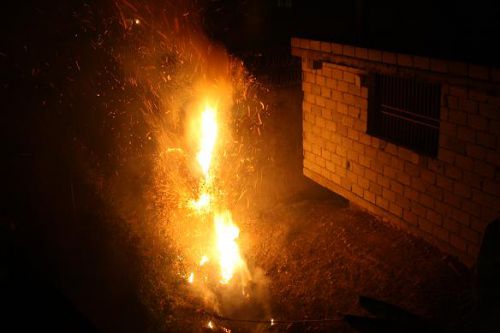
(448, 200)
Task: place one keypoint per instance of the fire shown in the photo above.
(226, 248)
(208, 139)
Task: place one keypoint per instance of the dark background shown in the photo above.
(41, 116)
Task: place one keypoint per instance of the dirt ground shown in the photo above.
(320, 254)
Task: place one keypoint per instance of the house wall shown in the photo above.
(448, 200)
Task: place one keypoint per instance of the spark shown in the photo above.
(203, 260)
(190, 279)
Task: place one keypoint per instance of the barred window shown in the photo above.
(405, 111)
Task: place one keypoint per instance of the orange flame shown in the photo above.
(226, 248)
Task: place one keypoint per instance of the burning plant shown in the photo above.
(203, 117)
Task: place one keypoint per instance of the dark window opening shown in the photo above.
(405, 111)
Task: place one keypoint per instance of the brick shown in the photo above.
(369, 196)
(460, 216)
(458, 91)
(488, 214)
(445, 183)
(428, 176)
(357, 190)
(388, 195)
(458, 242)
(435, 165)
(396, 187)
(410, 194)
(486, 140)
(464, 162)
(375, 188)
(484, 169)
(425, 225)
(405, 60)
(315, 89)
(452, 102)
(472, 250)
(476, 151)
(397, 163)
(361, 52)
(478, 96)
(418, 184)
(383, 181)
(370, 175)
(325, 92)
(472, 179)
(478, 224)
(434, 217)
(495, 74)
(471, 235)
(304, 43)
(478, 72)
(421, 62)
(403, 178)
(315, 45)
(492, 187)
(478, 122)
(453, 172)
(457, 117)
(441, 233)
(435, 191)
(364, 183)
(439, 66)
(348, 51)
(306, 87)
(426, 200)
(472, 208)
(452, 199)
(326, 47)
(457, 68)
(375, 55)
(395, 209)
(489, 111)
(462, 190)
(418, 209)
(493, 158)
(411, 169)
(389, 57)
(381, 202)
(408, 155)
(494, 127)
(467, 105)
(452, 225)
(348, 77)
(448, 128)
(337, 48)
(409, 217)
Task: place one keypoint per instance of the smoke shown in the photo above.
(164, 68)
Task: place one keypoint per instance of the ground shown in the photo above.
(318, 253)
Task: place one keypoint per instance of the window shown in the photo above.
(405, 111)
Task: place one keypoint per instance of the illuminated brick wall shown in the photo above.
(448, 200)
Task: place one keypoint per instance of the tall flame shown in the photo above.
(208, 138)
(227, 248)
(226, 232)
